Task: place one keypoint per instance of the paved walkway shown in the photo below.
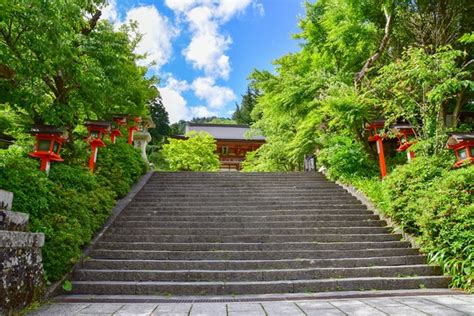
(445, 305)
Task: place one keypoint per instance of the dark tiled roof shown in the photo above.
(223, 131)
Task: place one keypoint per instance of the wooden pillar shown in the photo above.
(383, 168)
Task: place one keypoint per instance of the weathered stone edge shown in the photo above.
(56, 288)
(13, 239)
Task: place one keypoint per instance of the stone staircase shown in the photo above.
(249, 233)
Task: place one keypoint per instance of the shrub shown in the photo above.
(196, 153)
(70, 204)
(345, 159)
(406, 185)
(447, 224)
(118, 166)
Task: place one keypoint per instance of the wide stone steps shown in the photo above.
(249, 233)
(245, 225)
(249, 255)
(253, 238)
(139, 264)
(251, 246)
(252, 275)
(244, 287)
(329, 216)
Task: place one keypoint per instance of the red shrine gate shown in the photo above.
(233, 142)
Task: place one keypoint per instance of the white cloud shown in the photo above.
(157, 35)
(215, 96)
(258, 8)
(174, 104)
(156, 29)
(110, 12)
(207, 48)
(202, 111)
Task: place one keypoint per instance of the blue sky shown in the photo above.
(204, 50)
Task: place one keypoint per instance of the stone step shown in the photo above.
(138, 264)
(252, 238)
(246, 231)
(235, 212)
(250, 200)
(239, 288)
(287, 224)
(249, 255)
(251, 246)
(249, 204)
(248, 219)
(253, 275)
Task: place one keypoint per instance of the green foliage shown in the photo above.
(160, 118)
(345, 159)
(407, 184)
(431, 201)
(70, 204)
(118, 166)
(76, 68)
(242, 114)
(419, 87)
(196, 153)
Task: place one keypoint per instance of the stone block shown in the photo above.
(6, 200)
(13, 221)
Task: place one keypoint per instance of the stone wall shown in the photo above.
(21, 269)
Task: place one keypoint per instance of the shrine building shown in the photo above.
(233, 143)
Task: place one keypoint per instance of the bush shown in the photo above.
(118, 166)
(70, 204)
(446, 224)
(406, 185)
(196, 153)
(345, 159)
(434, 203)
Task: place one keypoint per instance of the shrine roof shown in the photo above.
(224, 131)
(456, 138)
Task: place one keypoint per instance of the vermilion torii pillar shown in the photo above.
(376, 130)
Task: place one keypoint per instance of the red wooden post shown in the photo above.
(119, 120)
(376, 135)
(97, 131)
(132, 129)
(380, 151)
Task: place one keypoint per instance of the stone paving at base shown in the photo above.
(445, 305)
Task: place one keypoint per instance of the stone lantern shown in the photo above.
(463, 146)
(406, 137)
(142, 137)
(48, 145)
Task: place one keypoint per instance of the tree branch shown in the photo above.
(92, 23)
(6, 72)
(383, 43)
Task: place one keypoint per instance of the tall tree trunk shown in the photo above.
(460, 100)
(383, 44)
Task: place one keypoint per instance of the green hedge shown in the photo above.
(70, 204)
(428, 199)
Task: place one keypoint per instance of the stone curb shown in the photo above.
(56, 288)
(12, 239)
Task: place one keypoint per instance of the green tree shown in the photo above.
(242, 114)
(61, 65)
(160, 118)
(196, 153)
